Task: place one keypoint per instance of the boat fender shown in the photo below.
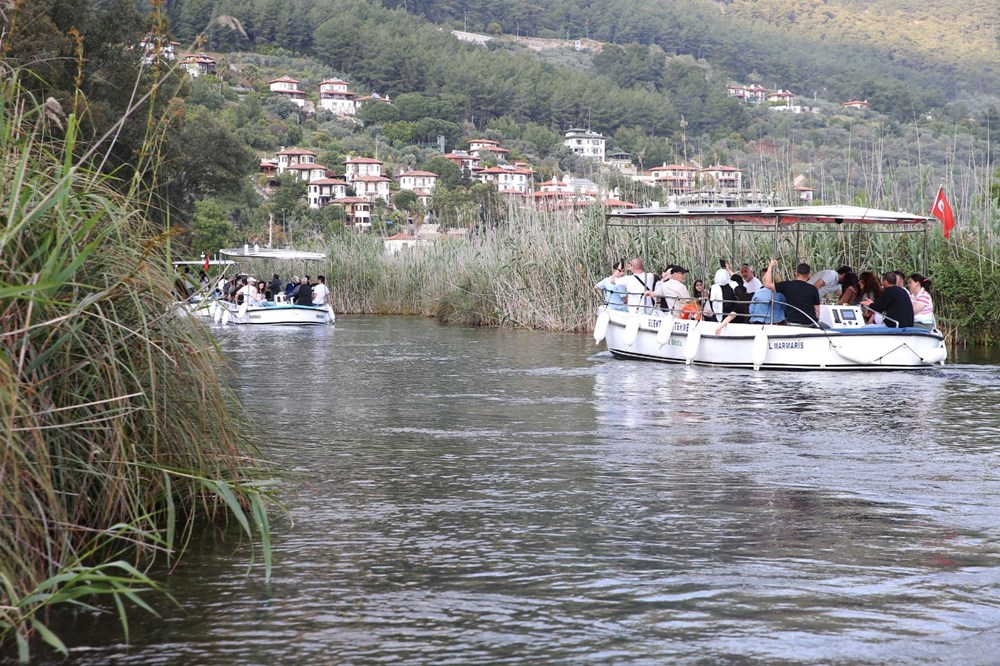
(631, 330)
(211, 309)
(601, 327)
(218, 313)
(666, 328)
(692, 343)
(852, 355)
(759, 351)
(243, 309)
(226, 316)
(333, 317)
(936, 355)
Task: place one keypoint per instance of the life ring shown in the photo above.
(690, 311)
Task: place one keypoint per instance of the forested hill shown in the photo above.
(925, 54)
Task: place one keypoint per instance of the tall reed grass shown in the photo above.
(537, 269)
(117, 434)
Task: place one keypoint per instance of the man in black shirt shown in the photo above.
(802, 298)
(894, 304)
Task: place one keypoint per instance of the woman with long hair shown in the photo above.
(849, 293)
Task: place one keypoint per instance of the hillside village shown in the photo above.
(362, 185)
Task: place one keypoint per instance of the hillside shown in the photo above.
(958, 36)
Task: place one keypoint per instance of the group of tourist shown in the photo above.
(257, 293)
(894, 301)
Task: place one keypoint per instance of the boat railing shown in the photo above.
(680, 312)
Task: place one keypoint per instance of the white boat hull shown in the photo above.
(785, 347)
(280, 315)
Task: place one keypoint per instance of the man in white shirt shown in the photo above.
(672, 289)
(750, 281)
(637, 284)
(320, 292)
(826, 282)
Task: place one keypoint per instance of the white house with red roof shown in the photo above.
(371, 187)
(404, 242)
(752, 94)
(780, 98)
(307, 172)
(720, 177)
(488, 149)
(674, 178)
(289, 88)
(508, 179)
(585, 142)
(421, 183)
(464, 160)
(323, 191)
(336, 98)
(197, 64)
(355, 167)
(288, 157)
(856, 104)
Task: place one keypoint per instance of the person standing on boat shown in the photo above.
(801, 297)
(320, 292)
(722, 297)
(612, 289)
(894, 304)
(672, 289)
(637, 284)
(750, 281)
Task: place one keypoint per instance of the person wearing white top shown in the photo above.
(750, 281)
(672, 288)
(826, 282)
(320, 291)
(636, 285)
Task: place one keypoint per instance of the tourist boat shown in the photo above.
(840, 340)
(200, 302)
(280, 312)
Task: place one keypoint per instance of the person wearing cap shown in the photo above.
(672, 289)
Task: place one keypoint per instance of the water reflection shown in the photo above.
(477, 496)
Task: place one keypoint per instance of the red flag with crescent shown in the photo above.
(941, 209)
(206, 263)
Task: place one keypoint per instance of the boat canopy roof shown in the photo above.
(271, 253)
(211, 262)
(772, 216)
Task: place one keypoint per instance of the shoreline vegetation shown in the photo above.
(537, 270)
(121, 438)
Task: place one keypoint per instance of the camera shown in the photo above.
(722, 263)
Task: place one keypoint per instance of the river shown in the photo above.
(462, 496)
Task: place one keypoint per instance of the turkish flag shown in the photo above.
(941, 209)
(206, 263)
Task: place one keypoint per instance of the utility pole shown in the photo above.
(684, 140)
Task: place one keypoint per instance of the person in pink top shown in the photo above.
(923, 307)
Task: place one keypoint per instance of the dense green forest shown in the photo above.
(932, 55)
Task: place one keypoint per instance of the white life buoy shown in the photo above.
(601, 327)
(631, 330)
(666, 328)
(692, 343)
(759, 350)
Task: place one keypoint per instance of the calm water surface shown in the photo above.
(479, 496)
